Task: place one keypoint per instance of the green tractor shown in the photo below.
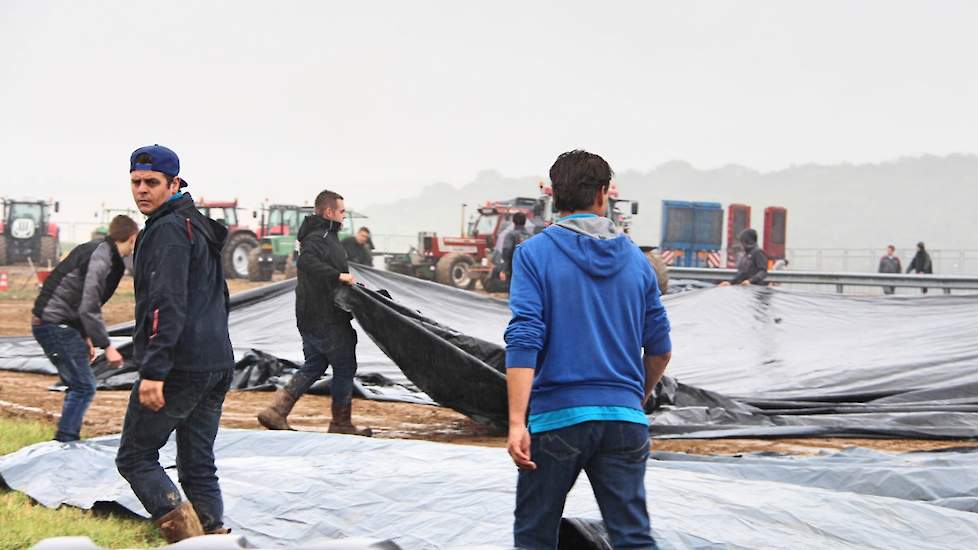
(277, 231)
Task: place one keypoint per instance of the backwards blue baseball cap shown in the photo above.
(158, 159)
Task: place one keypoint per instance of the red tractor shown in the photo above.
(461, 261)
(241, 239)
(26, 231)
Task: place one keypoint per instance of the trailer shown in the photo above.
(775, 232)
(738, 219)
(692, 233)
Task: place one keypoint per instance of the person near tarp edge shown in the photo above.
(513, 239)
(921, 264)
(752, 266)
(359, 248)
(67, 317)
(585, 304)
(328, 337)
(182, 348)
(890, 263)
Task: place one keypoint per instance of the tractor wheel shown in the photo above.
(255, 272)
(291, 271)
(48, 252)
(453, 270)
(661, 270)
(3, 250)
(236, 255)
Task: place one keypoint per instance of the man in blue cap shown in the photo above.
(182, 348)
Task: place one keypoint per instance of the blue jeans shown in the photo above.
(193, 408)
(67, 350)
(336, 346)
(614, 456)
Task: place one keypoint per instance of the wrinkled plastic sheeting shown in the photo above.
(764, 344)
(808, 365)
(946, 478)
(287, 488)
(219, 542)
(267, 348)
(752, 362)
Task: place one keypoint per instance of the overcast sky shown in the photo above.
(280, 99)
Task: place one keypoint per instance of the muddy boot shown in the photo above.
(221, 531)
(180, 523)
(341, 423)
(276, 416)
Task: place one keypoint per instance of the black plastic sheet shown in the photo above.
(287, 488)
(752, 362)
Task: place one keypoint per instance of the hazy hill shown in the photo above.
(838, 206)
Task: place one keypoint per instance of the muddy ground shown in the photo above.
(27, 395)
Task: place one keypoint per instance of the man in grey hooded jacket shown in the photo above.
(67, 317)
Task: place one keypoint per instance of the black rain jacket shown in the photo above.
(752, 266)
(358, 253)
(921, 263)
(322, 259)
(181, 296)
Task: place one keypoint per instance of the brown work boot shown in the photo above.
(342, 424)
(180, 523)
(276, 417)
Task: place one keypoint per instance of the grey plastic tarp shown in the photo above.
(284, 488)
(751, 362)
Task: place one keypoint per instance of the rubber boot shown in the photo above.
(342, 424)
(180, 523)
(275, 417)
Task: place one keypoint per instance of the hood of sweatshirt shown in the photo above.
(593, 243)
(213, 232)
(317, 224)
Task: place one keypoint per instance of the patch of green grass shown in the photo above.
(15, 433)
(25, 522)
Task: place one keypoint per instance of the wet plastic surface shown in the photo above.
(287, 488)
(752, 362)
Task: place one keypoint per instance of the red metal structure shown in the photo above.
(775, 232)
(738, 219)
(461, 261)
(241, 239)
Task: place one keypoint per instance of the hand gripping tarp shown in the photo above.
(286, 488)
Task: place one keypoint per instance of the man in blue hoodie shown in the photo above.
(586, 345)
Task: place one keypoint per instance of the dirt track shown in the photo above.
(27, 395)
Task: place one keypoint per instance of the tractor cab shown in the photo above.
(241, 239)
(492, 220)
(26, 232)
(278, 232)
(225, 213)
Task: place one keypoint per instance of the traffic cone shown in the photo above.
(4, 284)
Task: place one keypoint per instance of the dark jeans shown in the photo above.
(614, 456)
(66, 348)
(193, 408)
(336, 346)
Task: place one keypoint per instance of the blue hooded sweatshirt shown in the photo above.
(585, 305)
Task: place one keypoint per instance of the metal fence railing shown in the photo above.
(863, 260)
(840, 282)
